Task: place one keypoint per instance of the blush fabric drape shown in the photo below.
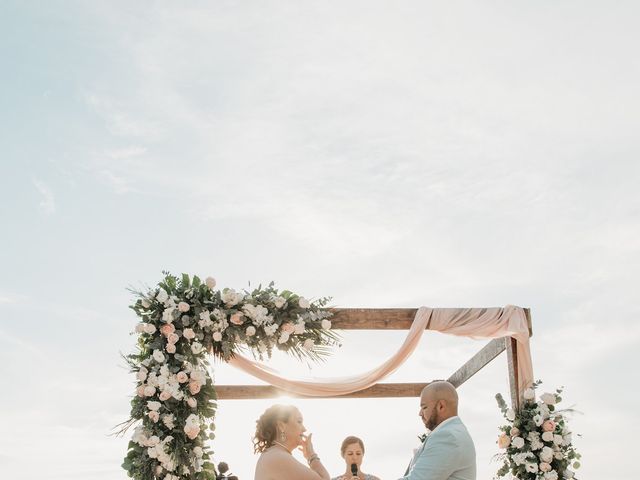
(509, 321)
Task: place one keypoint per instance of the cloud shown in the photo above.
(48, 202)
(10, 298)
(120, 185)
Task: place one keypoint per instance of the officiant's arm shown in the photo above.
(437, 461)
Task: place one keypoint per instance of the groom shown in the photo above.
(448, 452)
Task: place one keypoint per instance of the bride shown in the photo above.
(279, 430)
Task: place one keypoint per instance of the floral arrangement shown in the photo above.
(182, 320)
(537, 439)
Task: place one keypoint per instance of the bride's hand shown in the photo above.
(306, 446)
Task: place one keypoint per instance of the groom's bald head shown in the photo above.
(438, 401)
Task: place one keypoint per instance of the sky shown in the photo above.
(448, 154)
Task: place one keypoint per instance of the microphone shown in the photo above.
(354, 469)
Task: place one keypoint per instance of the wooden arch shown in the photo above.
(393, 319)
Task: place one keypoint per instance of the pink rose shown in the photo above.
(189, 334)
(514, 432)
(183, 307)
(549, 426)
(237, 318)
(140, 391)
(165, 395)
(192, 402)
(192, 431)
(194, 387)
(173, 338)
(167, 329)
(182, 377)
(171, 348)
(149, 391)
(545, 467)
(154, 416)
(504, 441)
(288, 327)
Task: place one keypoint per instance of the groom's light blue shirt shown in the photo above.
(448, 453)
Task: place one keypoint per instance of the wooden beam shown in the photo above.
(380, 390)
(490, 351)
(381, 318)
(512, 364)
(372, 318)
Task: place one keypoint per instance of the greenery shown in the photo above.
(182, 321)
(537, 439)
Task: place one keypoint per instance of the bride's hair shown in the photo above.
(267, 426)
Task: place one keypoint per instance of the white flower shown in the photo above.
(538, 420)
(188, 333)
(566, 440)
(149, 391)
(257, 313)
(511, 415)
(547, 436)
(167, 315)
(199, 376)
(518, 442)
(154, 416)
(142, 374)
(299, 328)
(548, 398)
(149, 328)
(326, 324)
(531, 467)
(196, 348)
(552, 475)
(169, 420)
(536, 445)
(210, 282)
(140, 327)
(153, 405)
(230, 297)
(158, 356)
(139, 436)
(279, 302)
(566, 474)
(543, 409)
(183, 307)
(303, 302)
(529, 394)
(545, 467)
(558, 440)
(251, 331)
(192, 402)
(197, 451)
(217, 336)
(521, 458)
(284, 337)
(162, 295)
(546, 455)
(270, 330)
(308, 344)
(153, 441)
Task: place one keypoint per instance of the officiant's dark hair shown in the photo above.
(267, 426)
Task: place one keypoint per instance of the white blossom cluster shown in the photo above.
(536, 449)
(178, 327)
